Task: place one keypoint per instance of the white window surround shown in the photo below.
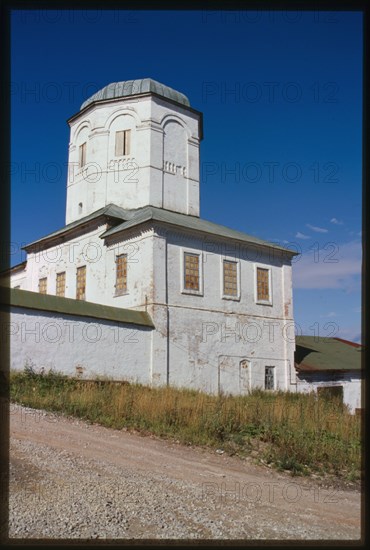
(227, 296)
(184, 290)
(263, 302)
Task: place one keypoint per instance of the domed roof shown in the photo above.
(135, 87)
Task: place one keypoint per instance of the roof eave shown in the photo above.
(63, 234)
(129, 98)
(116, 231)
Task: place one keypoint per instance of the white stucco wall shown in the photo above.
(201, 338)
(77, 345)
(89, 249)
(19, 279)
(350, 381)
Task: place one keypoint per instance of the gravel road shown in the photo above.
(71, 479)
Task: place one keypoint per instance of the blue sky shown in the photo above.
(281, 159)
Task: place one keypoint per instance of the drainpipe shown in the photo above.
(167, 315)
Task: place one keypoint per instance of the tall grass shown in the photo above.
(291, 431)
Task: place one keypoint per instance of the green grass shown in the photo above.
(295, 432)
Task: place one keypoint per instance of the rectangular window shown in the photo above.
(269, 378)
(263, 291)
(81, 283)
(121, 274)
(82, 155)
(230, 278)
(61, 284)
(123, 143)
(191, 275)
(43, 283)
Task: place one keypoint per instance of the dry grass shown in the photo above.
(291, 431)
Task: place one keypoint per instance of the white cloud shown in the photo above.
(336, 222)
(300, 235)
(330, 314)
(316, 229)
(329, 267)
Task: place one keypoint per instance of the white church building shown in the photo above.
(137, 286)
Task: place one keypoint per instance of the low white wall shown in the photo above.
(78, 345)
(351, 382)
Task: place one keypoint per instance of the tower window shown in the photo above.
(82, 155)
(81, 283)
(121, 274)
(43, 283)
(123, 139)
(80, 207)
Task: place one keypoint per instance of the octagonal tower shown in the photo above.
(133, 144)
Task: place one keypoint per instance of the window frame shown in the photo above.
(77, 271)
(126, 143)
(82, 148)
(58, 274)
(46, 285)
(257, 300)
(185, 290)
(224, 296)
(273, 372)
(125, 290)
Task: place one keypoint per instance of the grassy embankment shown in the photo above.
(294, 432)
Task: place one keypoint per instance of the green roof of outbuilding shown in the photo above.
(136, 87)
(327, 354)
(56, 304)
(189, 222)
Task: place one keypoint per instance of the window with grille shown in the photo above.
(43, 284)
(230, 278)
(269, 378)
(81, 283)
(61, 284)
(82, 155)
(121, 274)
(191, 264)
(123, 143)
(263, 291)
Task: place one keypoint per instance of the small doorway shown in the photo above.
(334, 394)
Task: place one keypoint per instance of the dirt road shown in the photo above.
(71, 479)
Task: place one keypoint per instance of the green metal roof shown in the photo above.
(110, 211)
(327, 354)
(56, 304)
(132, 218)
(136, 87)
(189, 222)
